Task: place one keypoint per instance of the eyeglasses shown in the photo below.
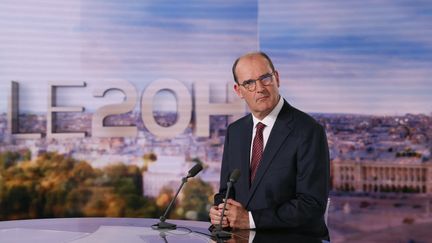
(250, 84)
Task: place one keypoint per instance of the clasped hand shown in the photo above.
(235, 216)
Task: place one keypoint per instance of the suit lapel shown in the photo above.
(245, 145)
(281, 129)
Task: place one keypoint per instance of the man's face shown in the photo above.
(264, 98)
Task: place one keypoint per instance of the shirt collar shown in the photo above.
(270, 119)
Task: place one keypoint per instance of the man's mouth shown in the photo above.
(261, 98)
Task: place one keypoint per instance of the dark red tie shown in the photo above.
(257, 150)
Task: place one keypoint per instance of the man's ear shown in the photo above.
(277, 78)
(237, 90)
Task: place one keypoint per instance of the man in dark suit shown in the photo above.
(282, 154)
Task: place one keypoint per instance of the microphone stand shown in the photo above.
(162, 224)
(218, 232)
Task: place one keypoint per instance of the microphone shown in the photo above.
(235, 175)
(164, 225)
(218, 232)
(194, 170)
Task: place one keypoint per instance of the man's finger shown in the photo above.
(227, 207)
(233, 202)
(216, 221)
(214, 211)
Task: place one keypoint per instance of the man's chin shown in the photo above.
(263, 108)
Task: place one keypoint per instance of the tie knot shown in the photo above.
(260, 126)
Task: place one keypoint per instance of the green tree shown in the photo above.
(196, 201)
(56, 185)
(17, 202)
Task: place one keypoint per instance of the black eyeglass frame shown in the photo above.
(250, 84)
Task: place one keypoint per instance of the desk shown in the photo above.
(90, 230)
(125, 230)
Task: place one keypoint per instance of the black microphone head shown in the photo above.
(234, 175)
(195, 170)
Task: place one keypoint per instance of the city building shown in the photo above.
(400, 175)
(166, 171)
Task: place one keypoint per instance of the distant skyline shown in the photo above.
(333, 57)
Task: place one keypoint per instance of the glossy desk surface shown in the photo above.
(127, 230)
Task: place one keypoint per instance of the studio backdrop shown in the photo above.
(105, 105)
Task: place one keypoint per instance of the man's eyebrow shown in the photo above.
(262, 76)
(249, 80)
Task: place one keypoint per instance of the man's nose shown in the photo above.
(259, 86)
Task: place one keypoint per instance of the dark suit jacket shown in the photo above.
(291, 186)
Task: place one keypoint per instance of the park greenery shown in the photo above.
(56, 185)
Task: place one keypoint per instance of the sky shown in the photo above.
(368, 57)
(140, 42)
(361, 57)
